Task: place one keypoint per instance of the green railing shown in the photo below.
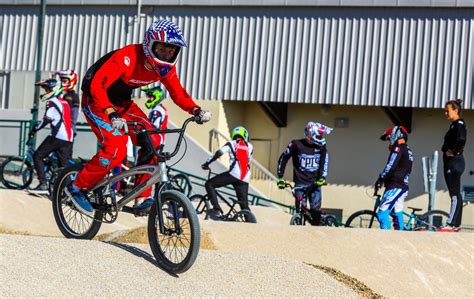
(254, 199)
(25, 125)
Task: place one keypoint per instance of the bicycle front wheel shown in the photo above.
(16, 173)
(432, 220)
(175, 244)
(363, 219)
(72, 223)
(181, 183)
(330, 220)
(296, 220)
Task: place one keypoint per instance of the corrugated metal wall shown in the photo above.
(413, 57)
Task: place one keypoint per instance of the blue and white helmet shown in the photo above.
(315, 132)
(165, 32)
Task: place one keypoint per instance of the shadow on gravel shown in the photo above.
(141, 254)
(351, 282)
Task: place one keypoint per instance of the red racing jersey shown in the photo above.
(111, 80)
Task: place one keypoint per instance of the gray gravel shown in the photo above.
(54, 267)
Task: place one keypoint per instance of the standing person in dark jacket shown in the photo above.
(310, 165)
(453, 160)
(395, 178)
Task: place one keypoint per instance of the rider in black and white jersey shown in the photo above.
(310, 166)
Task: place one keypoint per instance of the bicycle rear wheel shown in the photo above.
(438, 219)
(330, 220)
(363, 219)
(176, 246)
(16, 173)
(181, 183)
(244, 216)
(72, 223)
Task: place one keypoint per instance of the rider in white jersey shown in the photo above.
(60, 140)
(240, 153)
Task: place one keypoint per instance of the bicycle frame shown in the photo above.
(158, 172)
(231, 203)
(412, 218)
(303, 210)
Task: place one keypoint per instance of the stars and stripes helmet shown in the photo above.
(315, 132)
(166, 32)
(52, 88)
(68, 74)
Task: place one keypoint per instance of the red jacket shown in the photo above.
(111, 80)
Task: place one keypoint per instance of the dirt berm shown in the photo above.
(392, 263)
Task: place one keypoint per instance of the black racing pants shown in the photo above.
(453, 169)
(223, 179)
(49, 145)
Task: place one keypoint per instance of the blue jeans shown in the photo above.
(315, 198)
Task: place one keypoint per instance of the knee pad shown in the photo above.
(383, 217)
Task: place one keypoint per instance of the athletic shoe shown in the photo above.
(79, 199)
(213, 214)
(41, 189)
(143, 205)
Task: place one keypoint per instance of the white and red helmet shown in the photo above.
(165, 32)
(68, 74)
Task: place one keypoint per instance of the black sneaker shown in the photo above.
(41, 189)
(214, 214)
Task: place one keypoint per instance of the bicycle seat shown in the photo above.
(415, 209)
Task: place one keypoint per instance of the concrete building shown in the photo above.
(358, 66)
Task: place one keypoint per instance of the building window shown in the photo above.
(4, 78)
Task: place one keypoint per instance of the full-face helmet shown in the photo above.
(71, 76)
(155, 96)
(394, 134)
(52, 88)
(315, 132)
(162, 44)
(240, 132)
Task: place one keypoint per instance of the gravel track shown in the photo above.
(55, 267)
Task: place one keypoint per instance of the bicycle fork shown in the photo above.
(158, 190)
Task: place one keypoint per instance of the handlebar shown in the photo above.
(292, 187)
(210, 172)
(139, 127)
